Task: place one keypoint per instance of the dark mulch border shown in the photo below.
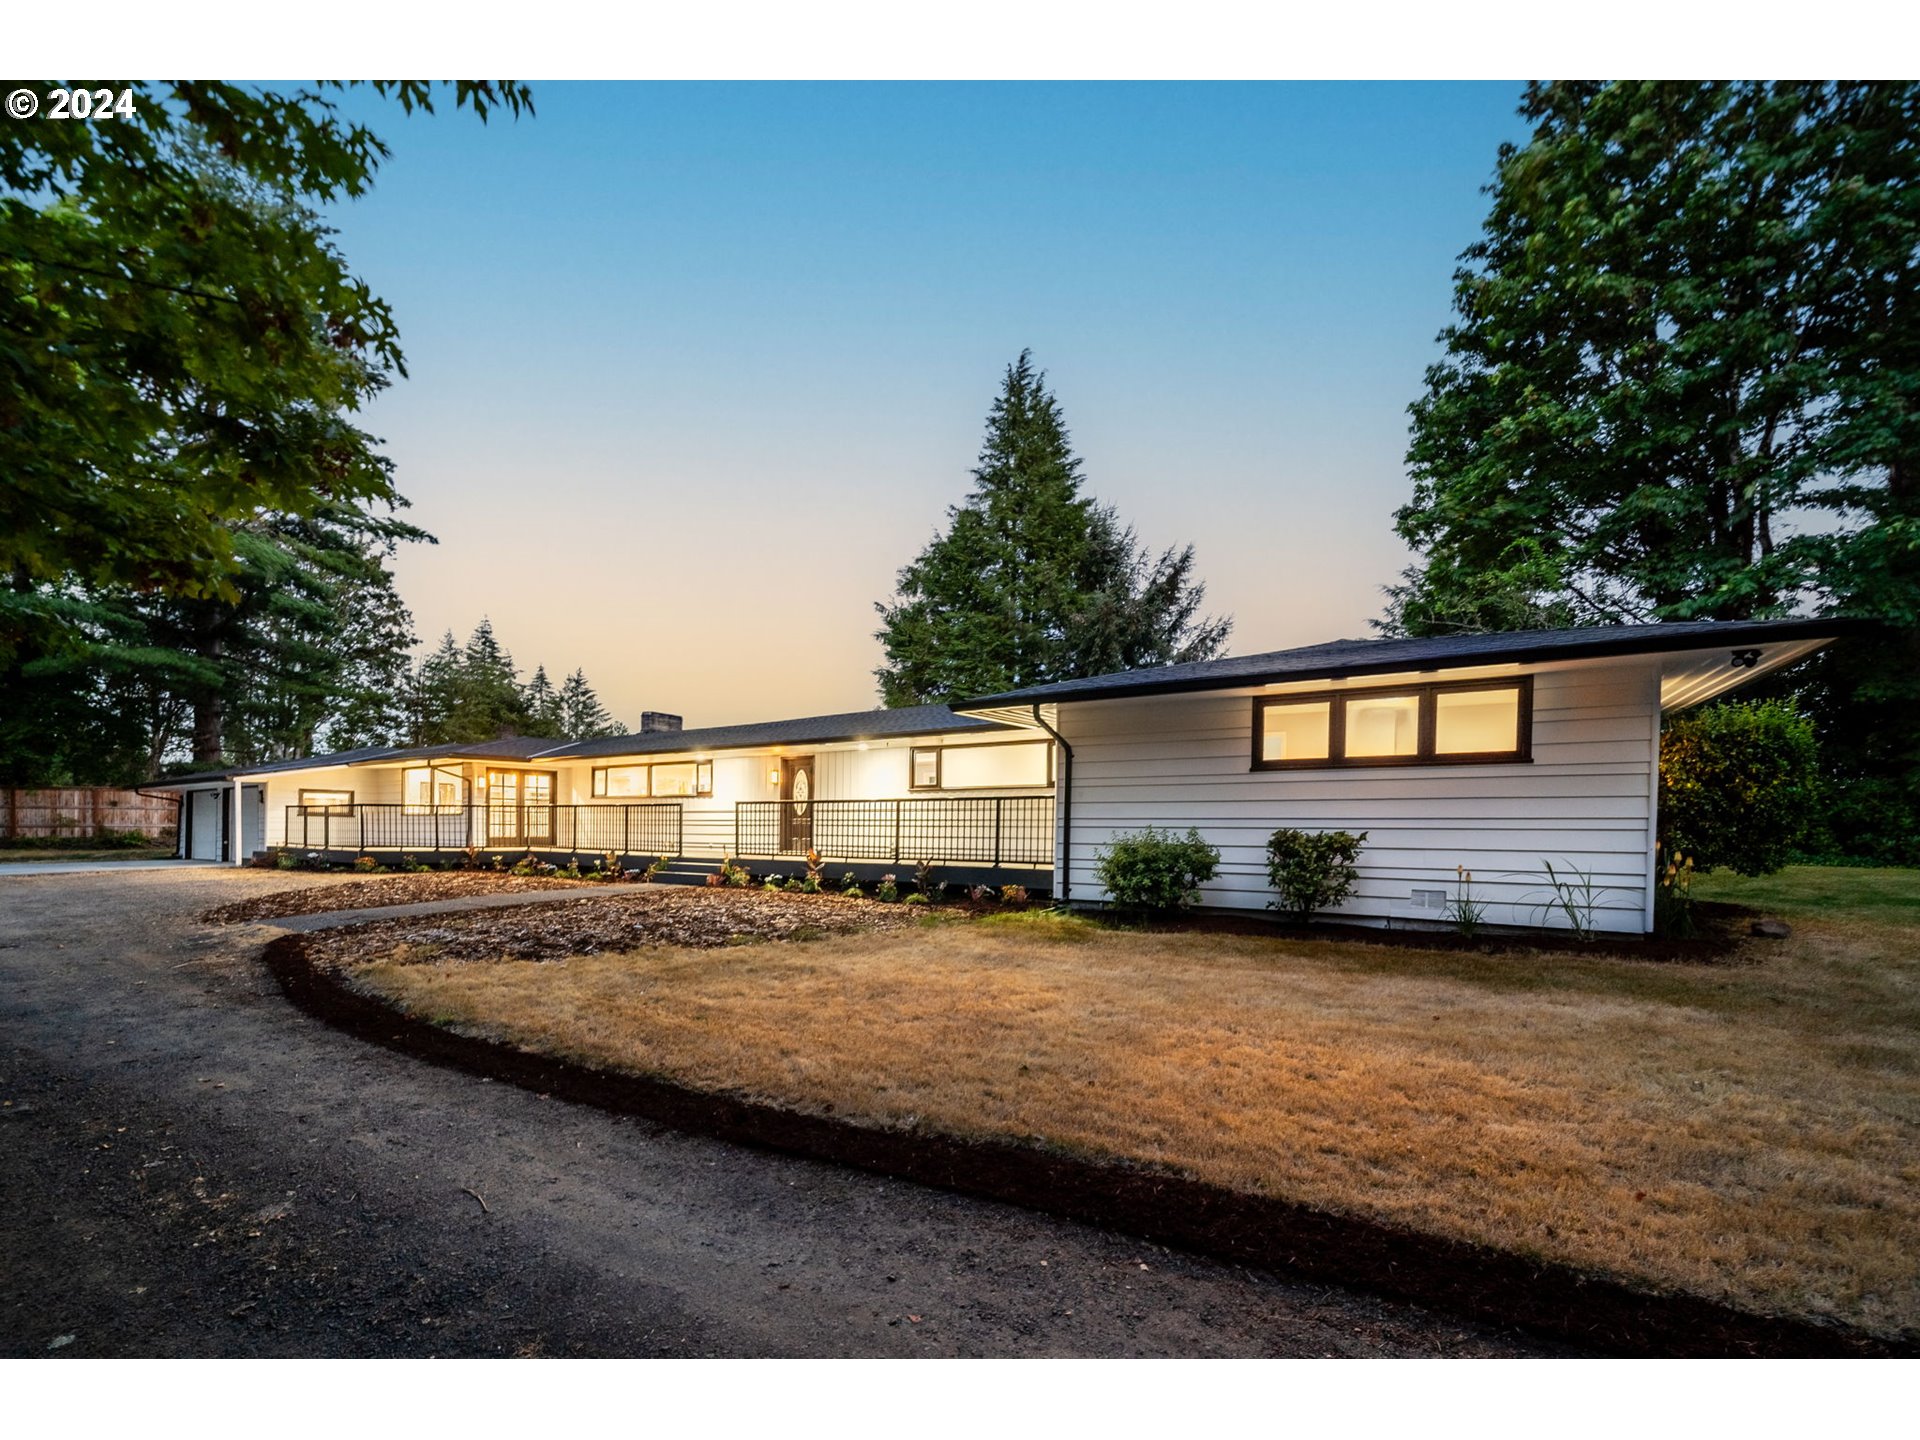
(1596, 1314)
(1723, 930)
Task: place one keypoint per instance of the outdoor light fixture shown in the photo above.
(773, 776)
(1745, 659)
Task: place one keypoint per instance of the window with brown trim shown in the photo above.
(1018, 765)
(327, 802)
(668, 780)
(1467, 722)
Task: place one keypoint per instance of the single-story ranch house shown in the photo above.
(1498, 753)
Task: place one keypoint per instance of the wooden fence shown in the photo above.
(85, 812)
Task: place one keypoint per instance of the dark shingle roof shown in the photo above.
(809, 730)
(513, 747)
(1340, 658)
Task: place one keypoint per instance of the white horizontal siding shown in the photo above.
(1180, 762)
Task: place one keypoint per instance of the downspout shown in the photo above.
(1066, 808)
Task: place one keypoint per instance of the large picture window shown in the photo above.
(327, 802)
(1021, 765)
(665, 781)
(423, 790)
(1469, 723)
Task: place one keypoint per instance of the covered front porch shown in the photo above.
(984, 833)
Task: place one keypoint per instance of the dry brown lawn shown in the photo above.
(1748, 1131)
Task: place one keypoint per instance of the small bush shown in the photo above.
(918, 898)
(1312, 870)
(734, 875)
(1014, 894)
(365, 865)
(1155, 870)
(923, 877)
(888, 889)
(1738, 782)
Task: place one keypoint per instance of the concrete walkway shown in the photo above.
(95, 867)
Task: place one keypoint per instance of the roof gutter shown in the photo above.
(1066, 807)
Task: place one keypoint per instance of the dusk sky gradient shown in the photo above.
(696, 368)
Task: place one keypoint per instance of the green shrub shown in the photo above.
(1738, 782)
(1312, 870)
(1155, 870)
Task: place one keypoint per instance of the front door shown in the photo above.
(519, 807)
(796, 815)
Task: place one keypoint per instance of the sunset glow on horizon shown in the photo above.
(695, 369)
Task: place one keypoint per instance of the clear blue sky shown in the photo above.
(696, 368)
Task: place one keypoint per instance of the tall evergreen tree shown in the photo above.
(541, 702)
(1686, 364)
(1033, 580)
(581, 715)
(491, 704)
(433, 694)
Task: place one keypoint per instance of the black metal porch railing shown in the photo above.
(1013, 830)
(652, 829)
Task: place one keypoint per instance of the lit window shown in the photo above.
(327, 802)
(1382, 725)
(1476, 722)
(621, 782)
(424, 791)
(1022, 765)
(674, 779)
(1296, 732)
(1431, 724)
(926, 769)
(638, 782)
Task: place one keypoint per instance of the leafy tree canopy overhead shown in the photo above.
(1033, 579)
(1686, 363)
(185, 348)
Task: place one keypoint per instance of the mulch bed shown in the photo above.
(1598, 1313)
(1720, 938)
(678, 915)
(376, 891)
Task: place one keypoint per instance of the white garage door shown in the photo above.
(203, 820)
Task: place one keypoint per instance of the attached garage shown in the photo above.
(204, 824)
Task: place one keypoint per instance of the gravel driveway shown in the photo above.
(191, 1167)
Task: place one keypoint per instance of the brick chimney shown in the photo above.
(654, 721)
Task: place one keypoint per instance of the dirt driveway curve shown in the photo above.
(192, 1167)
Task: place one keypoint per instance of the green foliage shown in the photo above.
(466, 693)
(185, 348)
(1738, 782)
(1034, 581)
(1312, 870)
(366, 865)
(1155, 870)
(1685, 365)
(1686, 316)
(1465, 912)
(888, 889)
(1572, 896)
(1673, 912)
